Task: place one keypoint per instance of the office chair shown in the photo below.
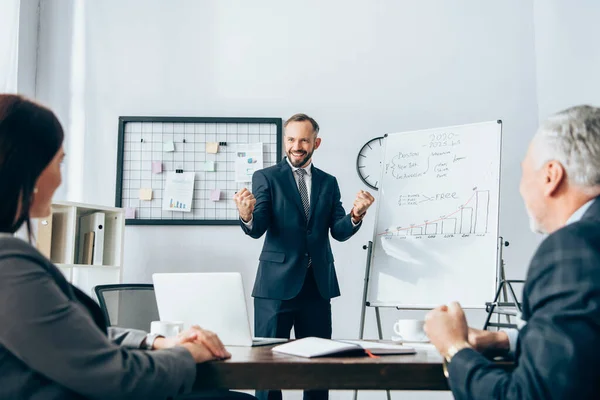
(128, 305)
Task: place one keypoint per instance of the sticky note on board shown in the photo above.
(209, 166)
(145, 194)
(169, 146)
(212, 147)
(156, 167)
(130, 213)
(215, 194)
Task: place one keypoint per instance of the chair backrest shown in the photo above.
(128, 305)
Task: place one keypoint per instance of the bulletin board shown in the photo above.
(153, 150)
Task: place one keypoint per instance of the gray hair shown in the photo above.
(572, 137)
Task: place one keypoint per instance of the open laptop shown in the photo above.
(214, 301)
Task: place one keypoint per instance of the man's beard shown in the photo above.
(299, 164)
(534, 225)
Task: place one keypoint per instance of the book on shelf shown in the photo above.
(317, 347)
(92, 223)
(43, 237)
(88, 248)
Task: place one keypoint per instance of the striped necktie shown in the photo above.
(303, 191)
(304, 196)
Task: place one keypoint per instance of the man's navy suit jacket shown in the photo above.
(558, 350)
(290, 239)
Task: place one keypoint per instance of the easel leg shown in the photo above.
(501, 276)
(504, 291)
(378, 316)
(363, 310)
(380, 332)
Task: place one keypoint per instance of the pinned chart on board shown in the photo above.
(179, 191)
(249, 158)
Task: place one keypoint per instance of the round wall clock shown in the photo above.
(369, 162)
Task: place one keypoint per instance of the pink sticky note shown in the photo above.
(215, 195)
(130, 213)
(156, 167)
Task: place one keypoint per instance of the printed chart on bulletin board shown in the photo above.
(185, 170)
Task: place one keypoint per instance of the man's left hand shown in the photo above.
(362, 203)
(446, 326)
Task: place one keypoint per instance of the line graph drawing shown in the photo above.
(472, 217)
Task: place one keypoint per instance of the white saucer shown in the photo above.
(398, 339)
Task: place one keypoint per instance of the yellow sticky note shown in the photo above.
(212, 147)
(145, 194)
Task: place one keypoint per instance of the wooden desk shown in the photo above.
(259, 368)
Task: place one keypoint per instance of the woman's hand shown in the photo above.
(198, 336)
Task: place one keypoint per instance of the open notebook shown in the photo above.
(317, 347)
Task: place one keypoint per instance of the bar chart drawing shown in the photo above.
(416, 231)
(449, 226)
(176, 204)
(470, 218)
(466, 220)
(431, 228)
(482, 211)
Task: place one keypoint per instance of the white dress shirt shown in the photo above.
(307, 177)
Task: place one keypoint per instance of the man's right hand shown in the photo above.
(483, 341)
(245, 201)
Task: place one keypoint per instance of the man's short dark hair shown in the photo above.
(301, 118)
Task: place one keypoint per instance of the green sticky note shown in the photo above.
(169, 146)
(209, 166)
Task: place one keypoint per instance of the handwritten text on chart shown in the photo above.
(443, 140)
(471, 217)
(436, 164)
(414, 199)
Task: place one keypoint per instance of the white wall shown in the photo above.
(9, 45)
(361, 68)
(28, 46)
(567, 54)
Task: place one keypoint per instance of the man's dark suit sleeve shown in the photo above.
(261, 217)
(341, 223)
(559, 348)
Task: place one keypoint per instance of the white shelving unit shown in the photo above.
(65, 238)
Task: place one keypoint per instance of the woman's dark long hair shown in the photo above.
(30, 137)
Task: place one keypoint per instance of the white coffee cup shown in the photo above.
(166, 328)
(410, 330)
